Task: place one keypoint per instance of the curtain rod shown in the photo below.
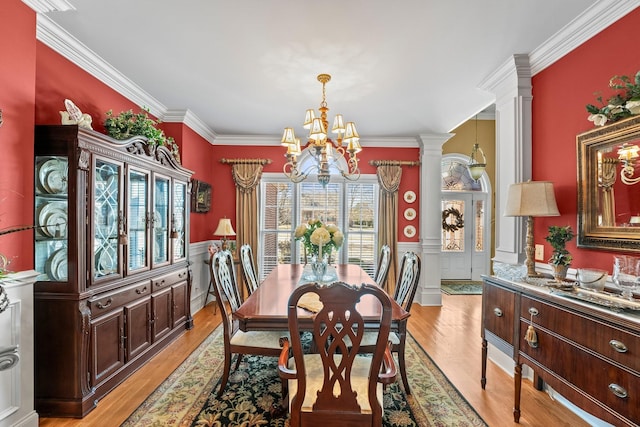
(394, 163)
(246, 161)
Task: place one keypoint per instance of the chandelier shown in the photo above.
(326, 152)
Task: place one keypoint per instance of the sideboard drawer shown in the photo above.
(615, 387)
(499, 311)
(608, 340)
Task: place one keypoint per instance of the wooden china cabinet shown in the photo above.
(111, 246)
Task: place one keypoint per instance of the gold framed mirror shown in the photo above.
(609, 187)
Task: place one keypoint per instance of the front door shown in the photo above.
(465, 240)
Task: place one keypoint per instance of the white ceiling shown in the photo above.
(249, 67)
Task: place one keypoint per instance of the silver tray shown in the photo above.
(605, 299)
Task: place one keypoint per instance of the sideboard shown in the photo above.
(588, 353)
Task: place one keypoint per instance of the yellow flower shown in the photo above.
(332, 228)
(320, 236)
(300, 230)
(338, 238)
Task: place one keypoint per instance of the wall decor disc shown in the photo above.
(410, 214)
(409, 231)
(409, 196)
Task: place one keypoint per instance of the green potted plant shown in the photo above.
(128, 124)
(560, 258)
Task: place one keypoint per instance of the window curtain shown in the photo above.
(389, 179)
(246, 175)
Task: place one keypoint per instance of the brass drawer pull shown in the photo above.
(497, 312)
(618, 390)
(141, 291)
(618, 346)
(105, 305)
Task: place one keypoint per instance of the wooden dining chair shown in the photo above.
(406, 287)
(382, 272)
(336, 385)
(265, 343)
(249, 272)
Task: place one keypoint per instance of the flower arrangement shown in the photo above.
(318, 238)
(128, 124)
(624, 103)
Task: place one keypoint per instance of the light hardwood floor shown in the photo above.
(450, 334)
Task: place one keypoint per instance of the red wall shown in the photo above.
(560, 93)
(17, 94)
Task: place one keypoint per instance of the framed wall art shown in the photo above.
(200, 196)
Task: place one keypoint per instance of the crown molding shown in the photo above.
(586, 25)
(43, 6)
(58, 39)
(191, 120)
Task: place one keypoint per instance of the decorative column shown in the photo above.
(511, 84)
(16, 352)
(428, 292)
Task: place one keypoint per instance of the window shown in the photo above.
(352, 206)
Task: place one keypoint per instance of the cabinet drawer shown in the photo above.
(612, 385)
(610, 341)
(498, 308)
(167, 280)
(104, 302)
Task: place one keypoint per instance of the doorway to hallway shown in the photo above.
(466, 221)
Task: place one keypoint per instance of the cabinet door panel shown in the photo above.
(138, 327)
(178, 221)
(160, 233)
(107, 336)
(180, 303)
(108, 217)
(161, 305)
(138, 220)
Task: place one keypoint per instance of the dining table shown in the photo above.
(266, 308)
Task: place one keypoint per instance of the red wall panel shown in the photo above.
(17, 97)
(560, 93)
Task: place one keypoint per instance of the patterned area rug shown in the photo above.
(461, 288)
(188, 395)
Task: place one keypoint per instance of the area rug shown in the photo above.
(461, 287)
(188, 396)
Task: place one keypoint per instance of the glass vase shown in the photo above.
(319, 267)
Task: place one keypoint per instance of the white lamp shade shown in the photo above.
(532, 198)
(224, 228)
(288, 137)
(308, 118)
(294, 149)
(317, 133)
(338, 124)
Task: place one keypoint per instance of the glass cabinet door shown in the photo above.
(178, 220)
(160, 221)
(51, 205)
(107, 218)
(138, 215)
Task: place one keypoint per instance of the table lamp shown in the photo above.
(531, 198)
(224, 229)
